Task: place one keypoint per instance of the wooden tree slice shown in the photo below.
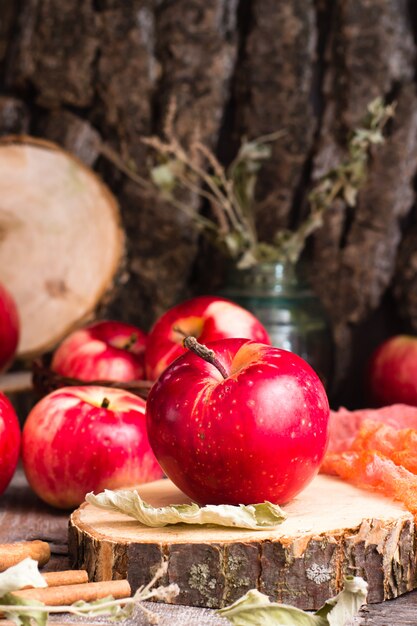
(61, 242)
(332, 529)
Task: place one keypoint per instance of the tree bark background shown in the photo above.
(87, 71)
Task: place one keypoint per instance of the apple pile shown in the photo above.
(229, 419)
(89, 437)
(114, 351)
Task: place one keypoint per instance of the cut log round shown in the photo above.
(332, 529)
(61, 242)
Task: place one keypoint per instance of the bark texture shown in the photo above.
(355, 253)
(98, 71)
(273, 90)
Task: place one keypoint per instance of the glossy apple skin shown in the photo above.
(102, 351)
(9, 441)
(71, 445)
(9, 328)
(392, 372)
(259, 434)
(206, 318)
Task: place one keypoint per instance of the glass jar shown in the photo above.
(279, 295)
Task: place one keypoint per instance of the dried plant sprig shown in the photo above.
(343, 181)
(193, 174)
(149, 187)
(230, 191)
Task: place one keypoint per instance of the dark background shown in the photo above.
(81, 72)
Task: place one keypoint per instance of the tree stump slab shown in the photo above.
(61, 240)
(332, 529)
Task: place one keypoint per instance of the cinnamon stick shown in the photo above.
(12, 553)
(67, 594)
(66, 577)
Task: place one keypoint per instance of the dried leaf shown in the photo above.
(104, 606)
(24, 574)
(350, 194)
(13, 609)
(346, 604)
(255, 608)
(163, 177)
(129, 502)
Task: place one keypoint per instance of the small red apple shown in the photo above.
(81, 439)
(105, 350)
(392, 372)
(249, 426)
(206, 318)
(9, 328)
(9, 441)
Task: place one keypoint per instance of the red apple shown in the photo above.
(392, 372)
(105, 350)
(81, 439)
(9, 328)
(248, 428)
(9, 441)
(206, 318)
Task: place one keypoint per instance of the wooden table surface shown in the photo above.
(23, 517)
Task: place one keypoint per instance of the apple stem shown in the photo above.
(105, 403)
(131, 341)
(205, 353)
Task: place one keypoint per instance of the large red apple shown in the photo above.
(81, 439)
(248, 428)
(105, 350)
(392, 372)
(9, 328)
(206, 318)
(9, 441)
